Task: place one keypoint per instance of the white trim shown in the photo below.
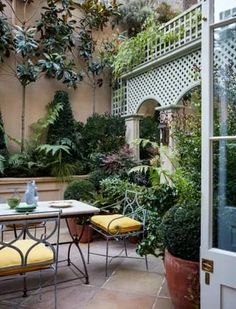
(186, 90)
(206, 132)
(220, 138)
(176, 54)
(149, 97)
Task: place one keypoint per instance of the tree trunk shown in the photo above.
(22, 148)
(94, 94)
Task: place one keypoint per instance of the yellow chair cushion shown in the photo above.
(121, 226)
(9, 257)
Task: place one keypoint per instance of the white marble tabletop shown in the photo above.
(75, 208)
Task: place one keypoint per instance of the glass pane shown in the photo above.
(224, 83)
(224, 195)
(224, 9)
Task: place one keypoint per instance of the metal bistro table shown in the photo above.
(69, 209)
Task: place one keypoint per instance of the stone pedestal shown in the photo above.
(132, 133)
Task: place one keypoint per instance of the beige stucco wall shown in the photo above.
(39, 94)
(48, 188)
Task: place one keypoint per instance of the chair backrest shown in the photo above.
(24, 242)
(133, 207)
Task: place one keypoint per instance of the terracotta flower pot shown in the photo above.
(183, 281)
(76, 229)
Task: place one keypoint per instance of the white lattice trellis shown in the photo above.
(166, 83)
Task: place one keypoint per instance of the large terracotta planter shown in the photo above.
(183, 282)
(77, 229)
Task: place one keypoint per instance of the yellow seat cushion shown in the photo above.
(121, 225)
(9, 257)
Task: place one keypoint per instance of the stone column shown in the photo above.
(132, 133)
(168, 115)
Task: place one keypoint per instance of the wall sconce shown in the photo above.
(164, 134)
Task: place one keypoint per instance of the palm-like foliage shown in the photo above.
(54, 154)
(154, 169)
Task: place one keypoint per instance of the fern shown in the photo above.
(59, 168)
(54, 150)
(40, 127)
(154, 170)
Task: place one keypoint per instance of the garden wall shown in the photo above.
(39, 94)
(49, 188)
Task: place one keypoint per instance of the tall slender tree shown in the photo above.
(47, 55)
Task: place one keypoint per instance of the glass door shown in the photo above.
(218, 246)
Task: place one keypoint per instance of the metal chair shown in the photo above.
(121, 226)
(14, 228)
(27, 252)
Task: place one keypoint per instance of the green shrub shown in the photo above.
(118, 163)
(114, 188)
(79, 190)
(102, 134)
(96, 177)
(113, 164)
(187, 134)
(157, 200)
(149, 130)
(180, 231)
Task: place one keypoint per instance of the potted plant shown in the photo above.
(81, 191)
(180, 234)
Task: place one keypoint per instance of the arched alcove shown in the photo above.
(148, 107)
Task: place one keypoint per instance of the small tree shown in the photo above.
(64, 125)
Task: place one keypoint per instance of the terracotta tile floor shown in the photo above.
(128, 286)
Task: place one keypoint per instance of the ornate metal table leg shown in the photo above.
(75, 241)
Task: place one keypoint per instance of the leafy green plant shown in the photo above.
(54, 155)
(102, 134)
(5, 38)
(187, 136)
(157, 200)
(134, 13)
(149, 130)
(153, 169)
(26, 164)
(96, 177)
(81, 190)
(118, 163)
(132, 51)
(111, 164)
(40, 127)
(113, 190)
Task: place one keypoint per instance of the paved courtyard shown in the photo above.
(128, 285)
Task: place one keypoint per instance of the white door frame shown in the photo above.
(207, 250)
